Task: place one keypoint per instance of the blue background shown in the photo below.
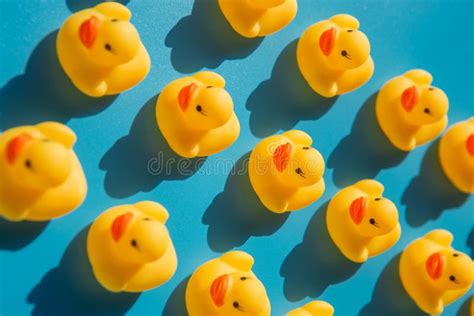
(44, 268)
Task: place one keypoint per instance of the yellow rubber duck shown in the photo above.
(361, 222)
(334, 56)
(101, 51)
(252, 18)
(314, 308)
(286, 172)
(433, 273)
(226, 286)
(196, 115)
(410, 111)
(41, 177)
(456, 154)
(130, 249)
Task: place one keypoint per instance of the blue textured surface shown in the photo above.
(43, 267)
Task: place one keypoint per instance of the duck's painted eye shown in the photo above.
(344, 53)
(378, 199)
(114, 20)
(452, 278)
(28, 164)
(198, 108)
(350, 31)
(298, 170)
(209, 87)
(426, 110)
(372, 221)
(431, 88)
(133, 242)
(305, 148)
(147, 219)
(455, 255)
(108, 47)
(243, 278)
(236, 304)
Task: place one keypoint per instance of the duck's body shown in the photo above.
(108, 62)
(361, 223)
(410, 112)
(226, 286)
(142, 259)
(191, 133)
(325, 67)
(314, 308)
(282, 189)
(456, 155)
(433, 273)
(252, 18)
(40, 185)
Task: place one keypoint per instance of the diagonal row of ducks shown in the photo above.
(129, 246)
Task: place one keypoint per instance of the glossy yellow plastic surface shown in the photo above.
(252, 18)
(456, 155)
(286, 172)
(314, 308)
(410, 111)
(40, 175)
(130, 249)
(226, 286)
(361, 222)
(101, 51)
(334, 56)
(433, 273)
(196, 115)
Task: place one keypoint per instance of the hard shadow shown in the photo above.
(205, 39)
(141, 160)
(316, 263)
(365, 151)
(465, 309)
(236, 214)
(176, 304)
(389, 297)
(44, 92)
(76, 5)
(16, 235)
(71, 289)
(286, 98)
(430, 192)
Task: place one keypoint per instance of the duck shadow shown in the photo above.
(430, 192)
(205, 39)
(366, 146)
(44, 92)
(470, 242)
(316, 263)
(465, 307)
(176, 304)
(77, 5)
(389, 297)
(142, 159)
(17, 235)
(71, 289)
(280, 102)
(236, 214)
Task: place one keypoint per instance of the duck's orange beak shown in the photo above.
(185, 95)
(470, 144)
(410, 98)
(357, 209)
(120, 224)
(327, 40)
(88, 31)
(16, 145)
(435, 265)
(219, 289)
(281, 156)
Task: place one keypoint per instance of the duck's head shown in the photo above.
(373, 215)
(139, 237)
(423, 104)
(265, 4)
(42, 158)
(343, 45)
(449, 269)
(108, 37)
(205, 106)
(238, 294)
(297, 165)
